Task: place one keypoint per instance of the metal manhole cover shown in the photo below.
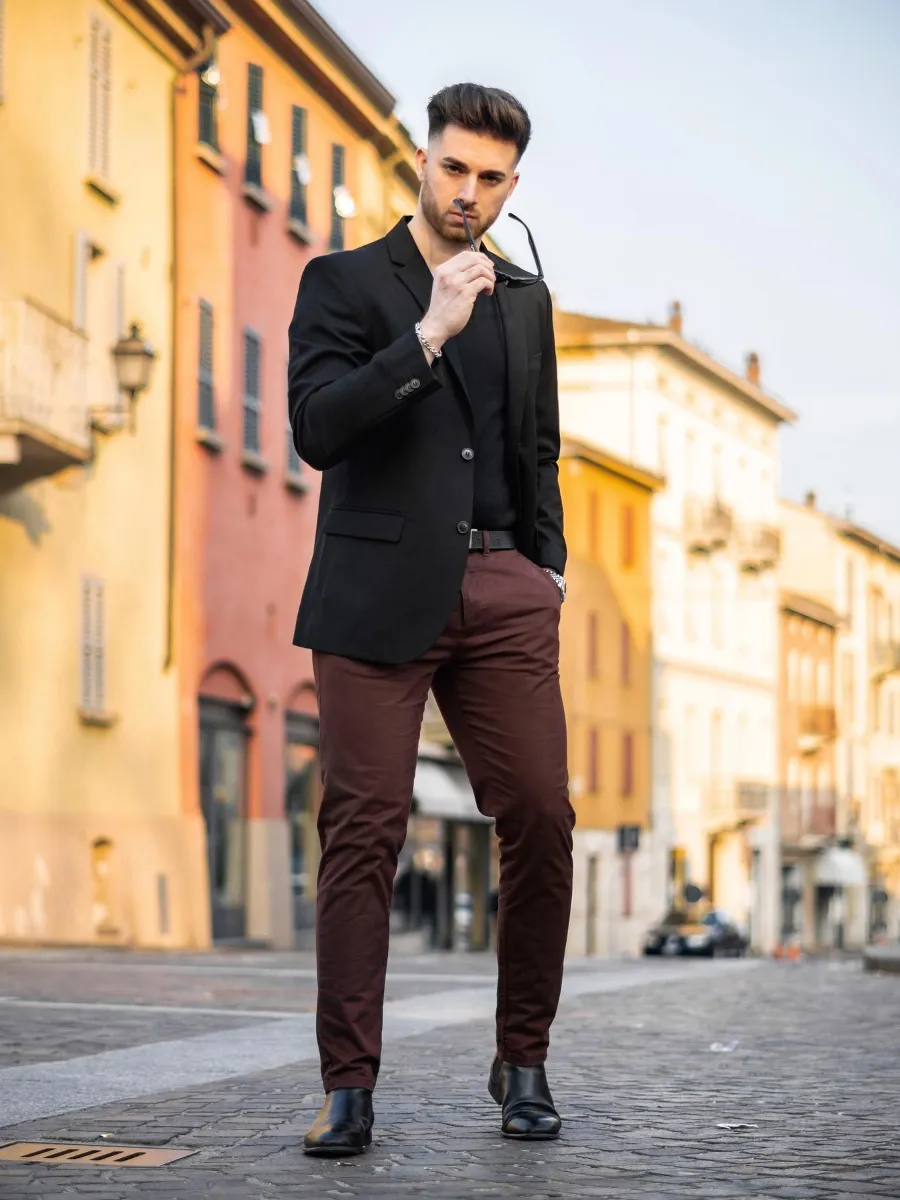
(63, 1153)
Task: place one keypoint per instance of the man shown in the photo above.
(422, 383)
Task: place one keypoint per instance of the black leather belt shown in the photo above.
(497, 539)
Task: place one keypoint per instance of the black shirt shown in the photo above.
(483, 352)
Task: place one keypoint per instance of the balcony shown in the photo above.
(759, 547)
(708, 525)
(808, 817)
(886, 659)
(730, 803)
(44, 417)
(816, 724)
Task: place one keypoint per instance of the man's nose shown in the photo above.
(468, 192)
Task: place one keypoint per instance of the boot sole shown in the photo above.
(334, 1151)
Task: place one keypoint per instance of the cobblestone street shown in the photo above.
(675, 1079)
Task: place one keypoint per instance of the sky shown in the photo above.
(743, 158)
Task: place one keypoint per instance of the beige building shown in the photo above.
(857, 574)
(648, 395)
(807, 733)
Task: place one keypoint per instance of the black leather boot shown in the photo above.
(344, 1126)
(528, 1110)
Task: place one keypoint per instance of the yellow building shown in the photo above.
(606, 671)
(93, 840)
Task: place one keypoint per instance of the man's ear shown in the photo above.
(421, 160)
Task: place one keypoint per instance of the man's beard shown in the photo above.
(439, 222)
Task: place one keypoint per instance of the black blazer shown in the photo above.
(387, 431)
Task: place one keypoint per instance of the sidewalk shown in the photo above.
(674, 1080)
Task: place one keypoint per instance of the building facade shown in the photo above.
(95, 843)
(287, 148)
(808, 729)
(857, 573)
(606, 657)
(650, 396)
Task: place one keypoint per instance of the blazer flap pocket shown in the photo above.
(365, 523)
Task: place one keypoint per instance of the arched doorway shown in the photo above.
(225, 702)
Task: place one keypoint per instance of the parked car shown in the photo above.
(712, 934)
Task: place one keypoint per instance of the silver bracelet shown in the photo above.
(425, 344)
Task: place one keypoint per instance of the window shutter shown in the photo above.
(252, 354)
(298, 150)
(593, 663)
(79, 280)
(93, 644)
(337, 179)
(206, 414)
(627, 764)
(208, 98)
(294, 465)
(253, 168)
(594, 760)
(99, 98)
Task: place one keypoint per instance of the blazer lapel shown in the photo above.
(412, 271)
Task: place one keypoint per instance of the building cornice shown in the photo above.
(619, 335)
(807, 606)
(572, 447)
(865, 537)
(303, 40)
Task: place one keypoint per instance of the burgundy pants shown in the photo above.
(495, 676)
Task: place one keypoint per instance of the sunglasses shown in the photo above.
(513, 281)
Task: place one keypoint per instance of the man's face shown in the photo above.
(471, 167)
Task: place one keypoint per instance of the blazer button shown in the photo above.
(399, 394)
(468, 454)
(414, 383)
(463, 527)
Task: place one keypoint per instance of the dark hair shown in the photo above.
(481, 110)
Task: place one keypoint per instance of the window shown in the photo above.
(793, 672)
(627, 764)
(93, 644)
(99, 98)
(209, 107)
(336, 241)
(626, 654)
(298, 165)
(594, 760)
(662, 445)
(849, 691)
(628, 536)
(717, 605)
(823, 682)
(206, 400)
(850, 590)
(255, 125)
(593, 526)
(807, 680)
(627, 886)
(293, 464)
(252, 404)
(592, 654)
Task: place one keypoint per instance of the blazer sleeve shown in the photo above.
(551, 543)
(338, 388)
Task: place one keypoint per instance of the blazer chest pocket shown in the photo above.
(365, 523)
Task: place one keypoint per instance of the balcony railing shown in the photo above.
(808, 815)
(816, 723)
(886, 658)
(729, 802)
(44, 415)
(708, 524)
(759, 547)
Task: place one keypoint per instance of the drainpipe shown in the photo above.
(202, 54)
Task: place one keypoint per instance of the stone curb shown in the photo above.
(882, 958)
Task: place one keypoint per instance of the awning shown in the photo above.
(442, 791)
(839, 867)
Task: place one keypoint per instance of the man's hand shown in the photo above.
(457, 283)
